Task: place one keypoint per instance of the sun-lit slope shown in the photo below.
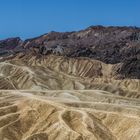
(61, 98)
(69, 115)
(82, 85)
(54, 73)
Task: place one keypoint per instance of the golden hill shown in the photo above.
(60, 98)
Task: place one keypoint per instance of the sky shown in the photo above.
(31, 18)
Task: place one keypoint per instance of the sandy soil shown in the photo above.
(67, 99)
(68, 115)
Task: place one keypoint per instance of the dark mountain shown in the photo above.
(10, 46)
(108, 44)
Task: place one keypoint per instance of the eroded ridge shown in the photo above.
(57, 115)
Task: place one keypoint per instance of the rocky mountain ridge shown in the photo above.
(110, 45)
(81, 85)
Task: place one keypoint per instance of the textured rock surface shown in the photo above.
(68, 115)
(81, 85)
(10, 46)
(110, 45)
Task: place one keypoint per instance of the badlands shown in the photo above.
(82, 85)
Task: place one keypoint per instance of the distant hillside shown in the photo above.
(110, 45)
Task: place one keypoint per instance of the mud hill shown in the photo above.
(82, 85)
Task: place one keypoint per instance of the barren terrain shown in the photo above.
(52, 89)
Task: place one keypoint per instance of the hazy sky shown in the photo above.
(30, 18)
